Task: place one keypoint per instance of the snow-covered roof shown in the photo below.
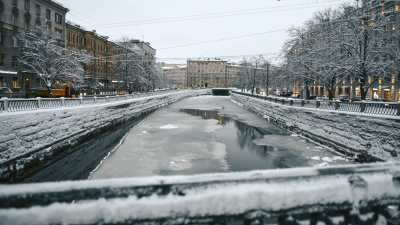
(207, 59)
(167, 68)
(182, 66)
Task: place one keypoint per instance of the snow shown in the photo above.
(144, 132)
(233, 194)
(315, 158)
(375, 134)
(169, 126)
(31, 135)
(327, 159)
(324, 164)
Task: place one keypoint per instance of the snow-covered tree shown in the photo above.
(49, 60)
(153, 75)
(127, 66)
(337, 43)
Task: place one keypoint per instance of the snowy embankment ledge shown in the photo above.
(360, 135)
(221, 197)
(33, 139)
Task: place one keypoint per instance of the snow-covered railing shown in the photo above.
(378, 108)
(352, 194)
(17, 105)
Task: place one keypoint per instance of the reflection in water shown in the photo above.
(243, 153)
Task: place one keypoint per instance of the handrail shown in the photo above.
(377, 108)
(17, 105)
(331, 195)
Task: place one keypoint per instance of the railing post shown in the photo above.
(39, 100)
(318, 104)
(95, 100)
(283, 100)
(276, 100)
(291, 101)
(126, 96)
(362, 107)
(5, 101)
(398, 108)
(302, 103)
(336, 105)
(63, 101)
(107, 99)
(81, 98)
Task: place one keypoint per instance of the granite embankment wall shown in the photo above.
(32, 142)
(364, 137)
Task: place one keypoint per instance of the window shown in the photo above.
(14, 20)
(106, 49)
(38, 82)
(69, 37)
(1, 15)
(1, 60)
(38, 10)
(58, 19)
(26, 25)
(73, 38)
(14, 41)
(77, 39)
(15, 82)
(14, 2)
(47, 14)
(27, 5)
(14, 61)
(1, 38)
(58, 31)
(84, 41)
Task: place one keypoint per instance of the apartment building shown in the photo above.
(18, 16)
(207, 72)
(100, 48)
(176, 74)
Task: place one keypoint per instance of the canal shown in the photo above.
(210, 134)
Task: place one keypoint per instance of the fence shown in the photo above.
(17, 105)
(352, 194)
(378, 108)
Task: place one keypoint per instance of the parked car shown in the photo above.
(343, 98)
(358, 98)
(379, 100)
(286, 94)
(323, 97)
(295, 96)
(312, 97)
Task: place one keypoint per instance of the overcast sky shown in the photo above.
(167, 24)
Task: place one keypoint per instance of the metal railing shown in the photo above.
(17, 105)
(352, 194)
(378, 108)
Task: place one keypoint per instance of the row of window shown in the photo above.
(75, 39)
(14, 17)
(14, 62)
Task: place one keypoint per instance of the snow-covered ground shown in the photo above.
(346, 132)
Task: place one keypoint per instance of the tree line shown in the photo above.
(51, 62)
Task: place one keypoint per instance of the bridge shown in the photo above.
(356, 194)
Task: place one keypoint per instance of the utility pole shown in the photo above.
(95, 59)
(266, 89)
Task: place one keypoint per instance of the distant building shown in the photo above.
(175, 73)
(17, 16)
(207, 72)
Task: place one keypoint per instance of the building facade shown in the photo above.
(18, 16)
(175, 74)
(101, 49)
(208, 73)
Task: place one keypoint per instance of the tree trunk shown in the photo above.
(330, 94)
(49, 91)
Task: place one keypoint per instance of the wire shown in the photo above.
(221, 39)
(169, 18)
(174, 20)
